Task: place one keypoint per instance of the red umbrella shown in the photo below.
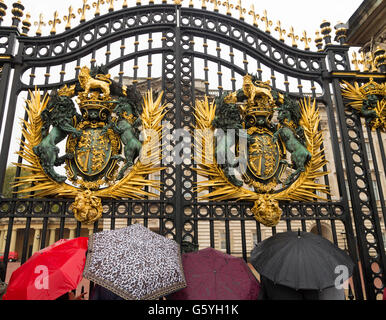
(50, 272)
(214, 275)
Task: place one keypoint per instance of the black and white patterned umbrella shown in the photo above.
(135, 263)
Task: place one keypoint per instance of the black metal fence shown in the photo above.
(188, 53)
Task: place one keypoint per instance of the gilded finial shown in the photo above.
(268, 23)
(241, 9)
(254, 15)
(216, 3)
(306, 41)
(355, 61)
(191, 4)
(3, 10)
(176, 2)
(54, 22)
(26, 24)
(17, 11)
(39, 24)
(124, 5)
(326, 30)
(97, 5)
(318, 41)
(229, 6)
(69, 17)
(281, 31)
(293, 37)
(111, 7)
(363, 62)
(82, 11)
(203, 4)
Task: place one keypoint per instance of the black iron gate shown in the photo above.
(190, 53)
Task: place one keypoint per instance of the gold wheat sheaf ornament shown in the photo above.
(266, 208)
(87, 206)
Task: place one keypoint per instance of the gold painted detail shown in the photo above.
(293, 37)
(54, 22)
(82, 11)
(268, 23)
(69, 17)
(266, 208)
(280, 30)
(87, 208)
(39, 24)
(254, 15)
(357, 96)
(88, 194)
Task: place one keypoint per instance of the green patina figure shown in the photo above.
(292, 134)
(368, 108)
(227, 119)
(59, 115)
(126, 125)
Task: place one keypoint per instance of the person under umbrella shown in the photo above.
(50, 272)
(213, 275)
(300, 266)
(134, 263)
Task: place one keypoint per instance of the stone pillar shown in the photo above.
(36, 242)
(12, 247)
(72, 233)
(51, 240)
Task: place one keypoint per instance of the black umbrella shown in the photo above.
(301, 260)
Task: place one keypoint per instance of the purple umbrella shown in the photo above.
(214, 275)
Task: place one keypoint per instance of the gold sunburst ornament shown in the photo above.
(97, 141)
(369, 100)
(262, 180)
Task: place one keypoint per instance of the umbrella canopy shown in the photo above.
(50, 272)
(135, 263)
(300, 260)
(214, 275)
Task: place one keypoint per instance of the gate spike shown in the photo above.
(39, 24)
(255, 15)
(268, 22)
(241, 10)
(124, 5)
(111, 7)
(82, 11)
(293, 37)
(281, 31)
(69, 17)
(216, 3)
(306, 41)
(54, 22)
(97, 5)
(229, 6)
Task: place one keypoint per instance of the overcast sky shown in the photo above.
(301, 14)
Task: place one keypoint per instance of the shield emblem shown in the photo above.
(92, 152)
(264, 156)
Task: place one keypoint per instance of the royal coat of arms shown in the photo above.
(104, 157)
(274, 151)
